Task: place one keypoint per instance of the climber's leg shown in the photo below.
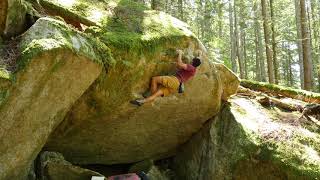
(154, 83)
(151, 98)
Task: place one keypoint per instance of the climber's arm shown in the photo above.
(180, 64)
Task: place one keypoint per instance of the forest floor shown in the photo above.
(9, 53)
(290, 111)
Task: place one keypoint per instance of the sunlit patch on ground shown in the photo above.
(67, 3)
(311, 154)
(96, 15)
(270, 123)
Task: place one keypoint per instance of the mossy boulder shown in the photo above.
(53, 166)
(56, 66)
(104, 128)
(248, 141)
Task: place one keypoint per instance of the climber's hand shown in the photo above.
(179, 51)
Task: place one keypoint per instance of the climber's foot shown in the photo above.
(138, 102)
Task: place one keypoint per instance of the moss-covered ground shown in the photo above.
(287, 144)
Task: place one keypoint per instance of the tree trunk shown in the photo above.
(232, 41)
(220, 18)
(237, 39)
(285, 64)
(290, 75)
(268, 101)
(307, 63)
(258, 69)
(245, 56)
(312, 54)
(156, 4)
(267, 41)
(181, 10)
(274, 45)
(299, 42)
(315, 41)
(284, 91)
(241, 40)
(259, 56)
(318, 44)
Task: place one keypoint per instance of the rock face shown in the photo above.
(247, 141)
(79, 84)
(12, 17)
(102, 127)
(3, 15)
(55, 67)
(54, 167)
(152, 171)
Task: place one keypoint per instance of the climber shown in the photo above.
(170, 84)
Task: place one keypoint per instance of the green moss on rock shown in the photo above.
(278, 88)
(5, 82)
(49, 34)
(4, 74)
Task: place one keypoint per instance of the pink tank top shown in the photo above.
(185, 74)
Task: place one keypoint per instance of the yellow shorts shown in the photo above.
(170, 84)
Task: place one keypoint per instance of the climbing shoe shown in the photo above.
(138, 102)
(181, 88)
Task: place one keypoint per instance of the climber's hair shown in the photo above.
(196, 62)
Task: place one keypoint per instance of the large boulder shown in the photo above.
(102, 127)
(54, 87)
(56, 66)
(248, 141)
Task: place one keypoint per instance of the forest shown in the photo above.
(103, 89)
(263, 40)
